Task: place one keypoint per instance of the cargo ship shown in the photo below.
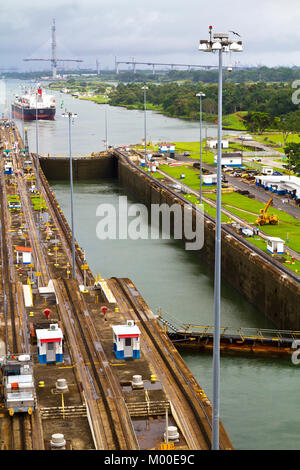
(34, 104)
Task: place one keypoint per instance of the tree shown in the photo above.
(257, 122)
(210, 106)
(292, 151)
(288, 124)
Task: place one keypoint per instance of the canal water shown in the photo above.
(88, 132)
(259, 397)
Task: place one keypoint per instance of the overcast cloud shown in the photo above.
(165, 30)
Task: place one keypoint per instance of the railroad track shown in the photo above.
(110, 419)
(186, 396)
(19, 424)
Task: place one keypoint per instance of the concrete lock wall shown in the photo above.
(263, 285)
(58, 168)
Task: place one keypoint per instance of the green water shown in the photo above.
(259, 398)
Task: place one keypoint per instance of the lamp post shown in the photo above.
(200, 95)
(219, 42)
(23, 123)
(37, 143)
(291, 154)
(105, 114)
(145, 88)
(70, 116)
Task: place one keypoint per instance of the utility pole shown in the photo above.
(200, 96)
(37, 143)
(145, 88)
(105, 119)
(218, 43)
(71, 116)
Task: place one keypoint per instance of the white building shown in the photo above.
(282, 184)
(209, 180)
(275, 245)
(24, 254)
(166, 148)
(213, 144)
(229, 159)
(127, 340)
(49, 343)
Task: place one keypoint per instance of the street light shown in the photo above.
(220, 43)
(200, 95)
(105, 97)
(291, 154)
(23, 123)
(70, 116)
(145, 88)
(37, 143)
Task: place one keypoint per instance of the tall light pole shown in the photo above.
(23, 123)
(220, 42)
(37, 143)
(71, 116)
(145, 88)
(105, 117)
(200, 95)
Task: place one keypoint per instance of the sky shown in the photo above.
(153, 30)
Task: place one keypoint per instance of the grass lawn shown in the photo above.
(276, 139)
(207, 208)
(286, 230)
(262, 245)
(158, 176)
(194, 149)
(191, 175)
(149, 106)
(288, 226)
(236, 146)
(175, 173)
(96, 98)
(242, 206)
(233, 121)
(243, 202)
(150, 148)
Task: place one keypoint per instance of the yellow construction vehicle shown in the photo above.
(264, 218)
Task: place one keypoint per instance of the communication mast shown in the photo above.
(54, 59)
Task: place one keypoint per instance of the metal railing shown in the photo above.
(243, 333)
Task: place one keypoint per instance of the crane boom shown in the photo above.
(267, 205)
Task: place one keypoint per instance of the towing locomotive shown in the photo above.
(18, 383)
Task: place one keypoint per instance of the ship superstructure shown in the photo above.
(34, 104)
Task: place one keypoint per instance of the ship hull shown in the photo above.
(30, 113)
